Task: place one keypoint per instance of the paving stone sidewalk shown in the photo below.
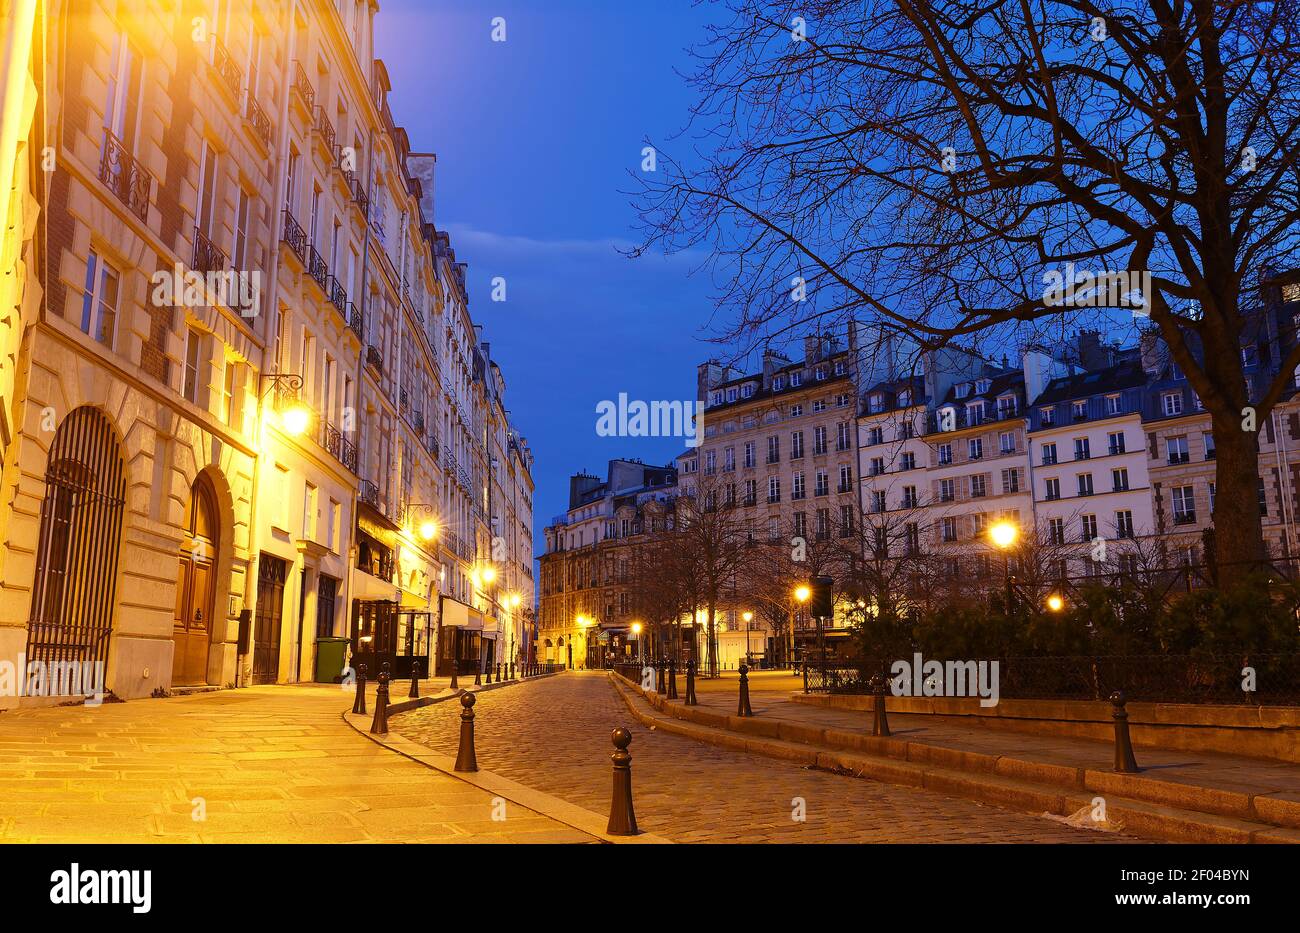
(554, 735)
(1202, 769)
(266, 764)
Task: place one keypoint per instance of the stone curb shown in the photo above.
(989, 779)
(571, 815)
(405, 706)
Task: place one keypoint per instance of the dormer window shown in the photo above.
(820, 373)
(963, 389)
(1079, 410)
(746, 390)
(982, 386)
(778, 383)
(877, 403)
(1047, 416)
(1006, 406)
(839, 364)
(716, 399)
(795, 380)
(731, 395)
(904, 398)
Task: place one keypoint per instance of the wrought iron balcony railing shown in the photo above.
(337, 443)
(294, 236)
(325, 128)
(338, 295)
(374, 357)
(356, 320)
(207, 257)
(258, 120)
(124, 176)
(359, 197)
(317, 269)
(230, 73)
(368, 493)
(303, 87)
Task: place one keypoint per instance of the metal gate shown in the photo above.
(269, 619)
(81, 531)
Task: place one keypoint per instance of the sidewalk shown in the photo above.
(1211, 796)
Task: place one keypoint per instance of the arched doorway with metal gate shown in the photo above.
(75, 583)
(195, 587)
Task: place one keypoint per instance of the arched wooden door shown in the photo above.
(195, 590)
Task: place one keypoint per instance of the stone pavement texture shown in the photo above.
(554, 735)
(1201, 769)
(271, 764)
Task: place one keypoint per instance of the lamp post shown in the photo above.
(295, 417)
(748, 617)
(640, 645)
(802, 594)
(1003, 534)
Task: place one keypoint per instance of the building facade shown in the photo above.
(247, 413)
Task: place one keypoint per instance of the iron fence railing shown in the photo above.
(124, 176)
(207, 257)
(1160, 678)
(303, 87)
(294, 236)
(230, 73)
(258, 120)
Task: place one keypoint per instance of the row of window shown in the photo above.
(779, 382)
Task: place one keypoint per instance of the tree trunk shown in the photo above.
(1238, 532)
(713, 642)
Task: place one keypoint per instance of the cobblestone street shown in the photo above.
(554, 735)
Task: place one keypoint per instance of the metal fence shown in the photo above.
(1275, 678)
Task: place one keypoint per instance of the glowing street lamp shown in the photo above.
(640, 645)
(1055, 603)
(428, 529)
(489, 574)
(803, 594)
(1003, 534)
(514, 600)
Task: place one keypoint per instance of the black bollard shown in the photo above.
(380, 724)
(743, 708)
(880, 725)
(478, 674)
(359, 705)
(455, 668)
(512, 670)
(672, 679)
(805, 676)
(415, 681)
(690, 684)
(1125, 763)
(622, 818)
(465, 760)
(498, 671)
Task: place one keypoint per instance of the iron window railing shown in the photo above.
(230, 73)
(124, 176)
(317, 269)
(303, 87)
(258, 120)
(207, 257)
(294, 236)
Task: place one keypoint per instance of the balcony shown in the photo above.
(259, 121)
(359, 197)
(355, 320)
(342, 449)
(124, 176)
(207, 258)
(1184, 518)
(375, 358)
(317, 269)
(1175, 458)
(369, 494)
(337, 294)
(232, 76)
(431, 445)
(325, 130)
(417, 421)
(294, 236)
(302, 88)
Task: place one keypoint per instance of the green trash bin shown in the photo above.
(331, 654)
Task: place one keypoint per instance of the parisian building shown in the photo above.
(251, 432)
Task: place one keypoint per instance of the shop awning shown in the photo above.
(414, 601)
(491, 624)
(372, 589)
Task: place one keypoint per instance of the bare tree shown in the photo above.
(929, 165)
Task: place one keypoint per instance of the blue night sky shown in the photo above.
(535, 138)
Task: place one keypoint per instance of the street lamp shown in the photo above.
(640, 645)
(1003, 534)
(1055, 603)
(802, 594)
(748, 617)
(295, 417)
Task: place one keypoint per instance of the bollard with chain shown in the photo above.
(880, 725)
(690, 683)
(672, 679)
(622, 818)
(359, 705)
(465, 759)
(380, 724)
(743, 708)
(1125, 763)
(415, 680)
